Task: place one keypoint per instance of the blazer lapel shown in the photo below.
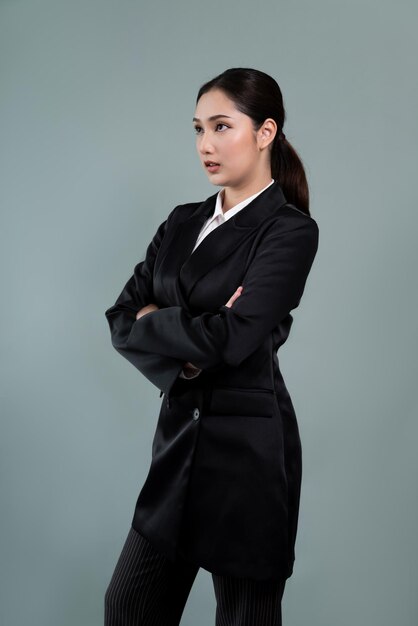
(191, 266)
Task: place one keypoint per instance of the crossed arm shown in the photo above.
(189, 370)
(160, 342)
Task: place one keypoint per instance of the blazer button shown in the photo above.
(196, 414)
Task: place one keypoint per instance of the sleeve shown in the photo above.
(162, 370)
(272, 286)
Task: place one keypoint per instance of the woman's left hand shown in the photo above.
(146, 309)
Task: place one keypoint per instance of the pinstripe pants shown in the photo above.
(147, 589)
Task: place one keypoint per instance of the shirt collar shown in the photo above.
(233, 210)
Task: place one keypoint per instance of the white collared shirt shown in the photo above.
(217, 218)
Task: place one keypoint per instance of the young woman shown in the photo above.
(202, 318)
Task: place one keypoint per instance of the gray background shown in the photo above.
(97, 147)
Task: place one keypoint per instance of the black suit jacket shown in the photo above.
(224, 482)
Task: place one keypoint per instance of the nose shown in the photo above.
(205, 144)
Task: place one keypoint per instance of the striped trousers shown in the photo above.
(148, 589)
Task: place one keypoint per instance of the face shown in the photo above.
(230, 140)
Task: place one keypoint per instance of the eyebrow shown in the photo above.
(212, 117)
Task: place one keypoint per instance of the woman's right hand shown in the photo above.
(234, 296)
(230, 302)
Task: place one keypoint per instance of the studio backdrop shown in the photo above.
(97, 147)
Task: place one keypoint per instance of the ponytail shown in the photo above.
(288, 171)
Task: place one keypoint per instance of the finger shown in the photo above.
(234, 296)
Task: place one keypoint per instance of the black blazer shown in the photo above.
(224, 482)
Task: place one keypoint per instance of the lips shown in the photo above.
(211, 163)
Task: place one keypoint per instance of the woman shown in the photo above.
(202, 318)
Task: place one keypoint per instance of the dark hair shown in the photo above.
(259, 96)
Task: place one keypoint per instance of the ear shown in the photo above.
(266, 133)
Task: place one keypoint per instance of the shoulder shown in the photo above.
(287, 218)
(290, 215)
(291, 224)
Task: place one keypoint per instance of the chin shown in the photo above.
(216, 180)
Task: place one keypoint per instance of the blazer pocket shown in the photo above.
(255, 402)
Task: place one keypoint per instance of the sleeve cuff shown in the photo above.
(183, 375)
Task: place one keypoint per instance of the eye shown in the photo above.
(199, 128)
